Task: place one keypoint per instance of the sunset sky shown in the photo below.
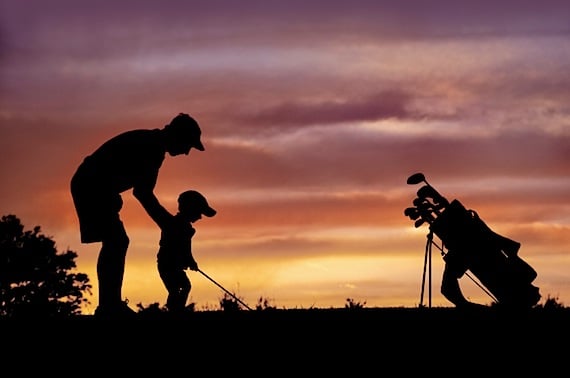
(313, 115)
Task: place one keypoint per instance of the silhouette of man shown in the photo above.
(130, 160)
(175, 253)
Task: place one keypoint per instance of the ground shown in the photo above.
(287, 342)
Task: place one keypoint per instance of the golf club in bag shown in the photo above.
(492, 258)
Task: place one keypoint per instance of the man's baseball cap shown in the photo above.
(187, 127)
(196, 199)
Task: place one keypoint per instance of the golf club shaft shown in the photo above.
(221, 287)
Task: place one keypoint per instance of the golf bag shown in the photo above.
(492, 258)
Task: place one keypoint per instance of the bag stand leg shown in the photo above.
(427, 267)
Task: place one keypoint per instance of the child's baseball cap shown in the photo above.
(195, 199)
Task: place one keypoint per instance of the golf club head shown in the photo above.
(409, 211)
(414, 216)
(412, 213)
(426, 214)
(422, 202)
(439, 207)
(443, 202)
(419, 222)
(427, 191)
(434, 212)
(416, 178)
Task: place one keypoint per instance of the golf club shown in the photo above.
(419, 222)
(428, 191)
(221, 287)
(426, 215)
(412, 213)
(416, 178)
(422, 202)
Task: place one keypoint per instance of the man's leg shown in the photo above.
(111, 266)
(99, 221)
(110, 272)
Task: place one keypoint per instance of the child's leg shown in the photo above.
(178, 290)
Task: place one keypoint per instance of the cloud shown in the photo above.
(378, 106)
(313, 115)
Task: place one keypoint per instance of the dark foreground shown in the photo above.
(298, 342)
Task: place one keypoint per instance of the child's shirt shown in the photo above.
(176, 243)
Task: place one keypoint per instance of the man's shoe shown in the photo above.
(120, 311)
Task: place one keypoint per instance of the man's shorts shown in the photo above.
(98, 212)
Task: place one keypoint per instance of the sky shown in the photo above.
(313, 116)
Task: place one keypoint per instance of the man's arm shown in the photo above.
(152, 206)
(143, 190)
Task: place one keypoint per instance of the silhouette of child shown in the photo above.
(175, 252)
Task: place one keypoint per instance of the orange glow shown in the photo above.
(312, 121)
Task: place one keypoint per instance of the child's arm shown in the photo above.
(191, 262)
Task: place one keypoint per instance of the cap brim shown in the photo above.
(209, 212)
(198, 145)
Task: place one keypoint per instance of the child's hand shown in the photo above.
(193, 265)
